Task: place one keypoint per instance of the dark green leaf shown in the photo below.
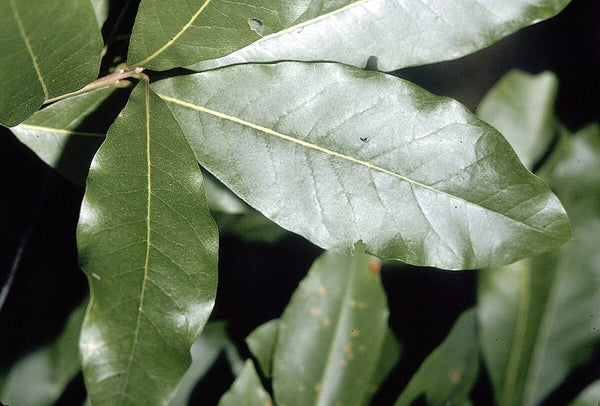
(397, 34)
(60, 136)
(415, 176)
(589, 397)
(49, 48)
(521, 107)
(332, 333)
(247, 390)
(448, 374)
(149, 248)
(261, 343)
(540, 317)
(41, 377)
(390, 353)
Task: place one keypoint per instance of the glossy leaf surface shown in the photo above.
(183, 32)
(261, 343)
(397, 33)
(67, 134)
(540, 317)
(449, 372)
(521, 107)
(331, 333)
(149, 248)
(414, 176)
(40, 378)
(247, 390)
(48, 48)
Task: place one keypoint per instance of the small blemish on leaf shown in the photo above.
(375, 267)
(364, 139)
(258, 27)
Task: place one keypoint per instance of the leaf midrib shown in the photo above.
(23, 34)
(147, 254)
(175, 37)
(340, 155)
(57, 130)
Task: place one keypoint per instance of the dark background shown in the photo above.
(257, 280)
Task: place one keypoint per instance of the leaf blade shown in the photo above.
(36, 64)
(535, 318)
(247, 390)
(354, 166)
(331, 333)
(60, 135)
(521, 106)
(39, 378)
(148, 246)
(449, 372)
(351, 32)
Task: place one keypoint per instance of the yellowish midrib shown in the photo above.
(336, 154)
(176, 36)
(147, 255)
(17, 16)
(57, 130)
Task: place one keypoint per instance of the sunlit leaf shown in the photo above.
(396, 33)
(247, 390)
(331, 333)
(66, 134)
(181, 33)
(449, 372)
(521, 107)
(415, 176)
(540, 317)
(149, 248)
(49, 48)
(40, 378)
(101, 10)
(261, 343)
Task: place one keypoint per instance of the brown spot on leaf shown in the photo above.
(375, 267)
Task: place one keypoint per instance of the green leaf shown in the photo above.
(205, 352)
(388, 357)
(182, 33)
(449, 372)
(261, 343)
(397, 34)
(149, 248)
(331, 333)
(574, 168)
(48, 48)
(589, 397)
(66, 134)
(247, 390)
(521, 107)
(41, 377)
(101, 10)
(540, 318)
(415, 176)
